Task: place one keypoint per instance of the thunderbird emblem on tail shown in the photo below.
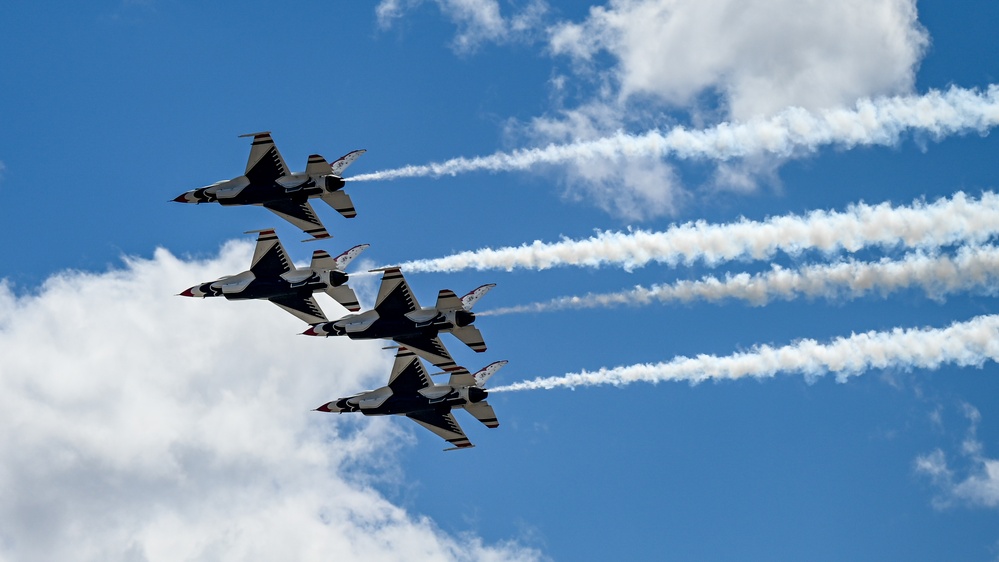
(267, 182)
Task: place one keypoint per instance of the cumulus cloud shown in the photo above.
(478, 21)
(720, 60)
(760, 55)
(977, 484)
(141, 426)
(646, 65)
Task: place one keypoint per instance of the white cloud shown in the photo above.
(478, 21)
(722, 60)
(142, 426)
(980, 484)
(761, 56)
(642, 65)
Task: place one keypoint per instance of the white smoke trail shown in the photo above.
(962, 343)
(972, 267)
(960, 219)
(879, 121)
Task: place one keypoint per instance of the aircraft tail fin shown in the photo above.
(346, 160)
(489, 370)
(344, 259)
(473, 296)
(483, 412)
(470, 336)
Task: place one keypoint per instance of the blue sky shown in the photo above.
(141, 426)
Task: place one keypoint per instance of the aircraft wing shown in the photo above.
(265, 164)
(430, 349)
(269, 257)
(444, 425)
(300, 215)
(394, 295)
(305, 308)
(408, 375)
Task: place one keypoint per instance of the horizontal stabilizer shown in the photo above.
(470, 336)
(341, 202)
(346, 160)
(321, 260)
(469, 300)
(447, 300)
(317, 166)
(483, 412)
(345, 296)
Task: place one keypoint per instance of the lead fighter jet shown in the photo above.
(267, 182)
(272, 276)
(411, 393)
(397, 316)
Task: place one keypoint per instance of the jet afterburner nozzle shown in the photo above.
(476, 394)
(463, 318)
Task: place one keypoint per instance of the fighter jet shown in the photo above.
(272, 276)
(411, 393)
(397, 316)
(268, 182)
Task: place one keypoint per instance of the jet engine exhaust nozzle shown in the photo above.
(463, 318)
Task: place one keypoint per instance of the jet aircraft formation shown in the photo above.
(396, 315)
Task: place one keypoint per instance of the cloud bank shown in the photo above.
(142, 426)
(760, 56)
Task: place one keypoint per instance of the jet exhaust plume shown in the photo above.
(878, 121)
(972, 267)
(959, 219)
(970, 343)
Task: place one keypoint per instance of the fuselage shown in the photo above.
(245, 285)
(426, 322)
(244, 191)
(384, 401)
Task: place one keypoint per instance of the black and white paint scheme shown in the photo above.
(272, 276)
(267, 182)
(411, 393)
(398, 316)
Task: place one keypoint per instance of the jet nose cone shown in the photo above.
(324, 408)
(187, 292)
(312, 331)
(183, 198)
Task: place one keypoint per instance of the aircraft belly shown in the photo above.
(256, 194)
(409, 404)
(266, 290)
(400, 328)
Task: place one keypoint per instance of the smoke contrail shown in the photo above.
(972, 267)
(963, 344)
(958, 219)
(879, 121)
